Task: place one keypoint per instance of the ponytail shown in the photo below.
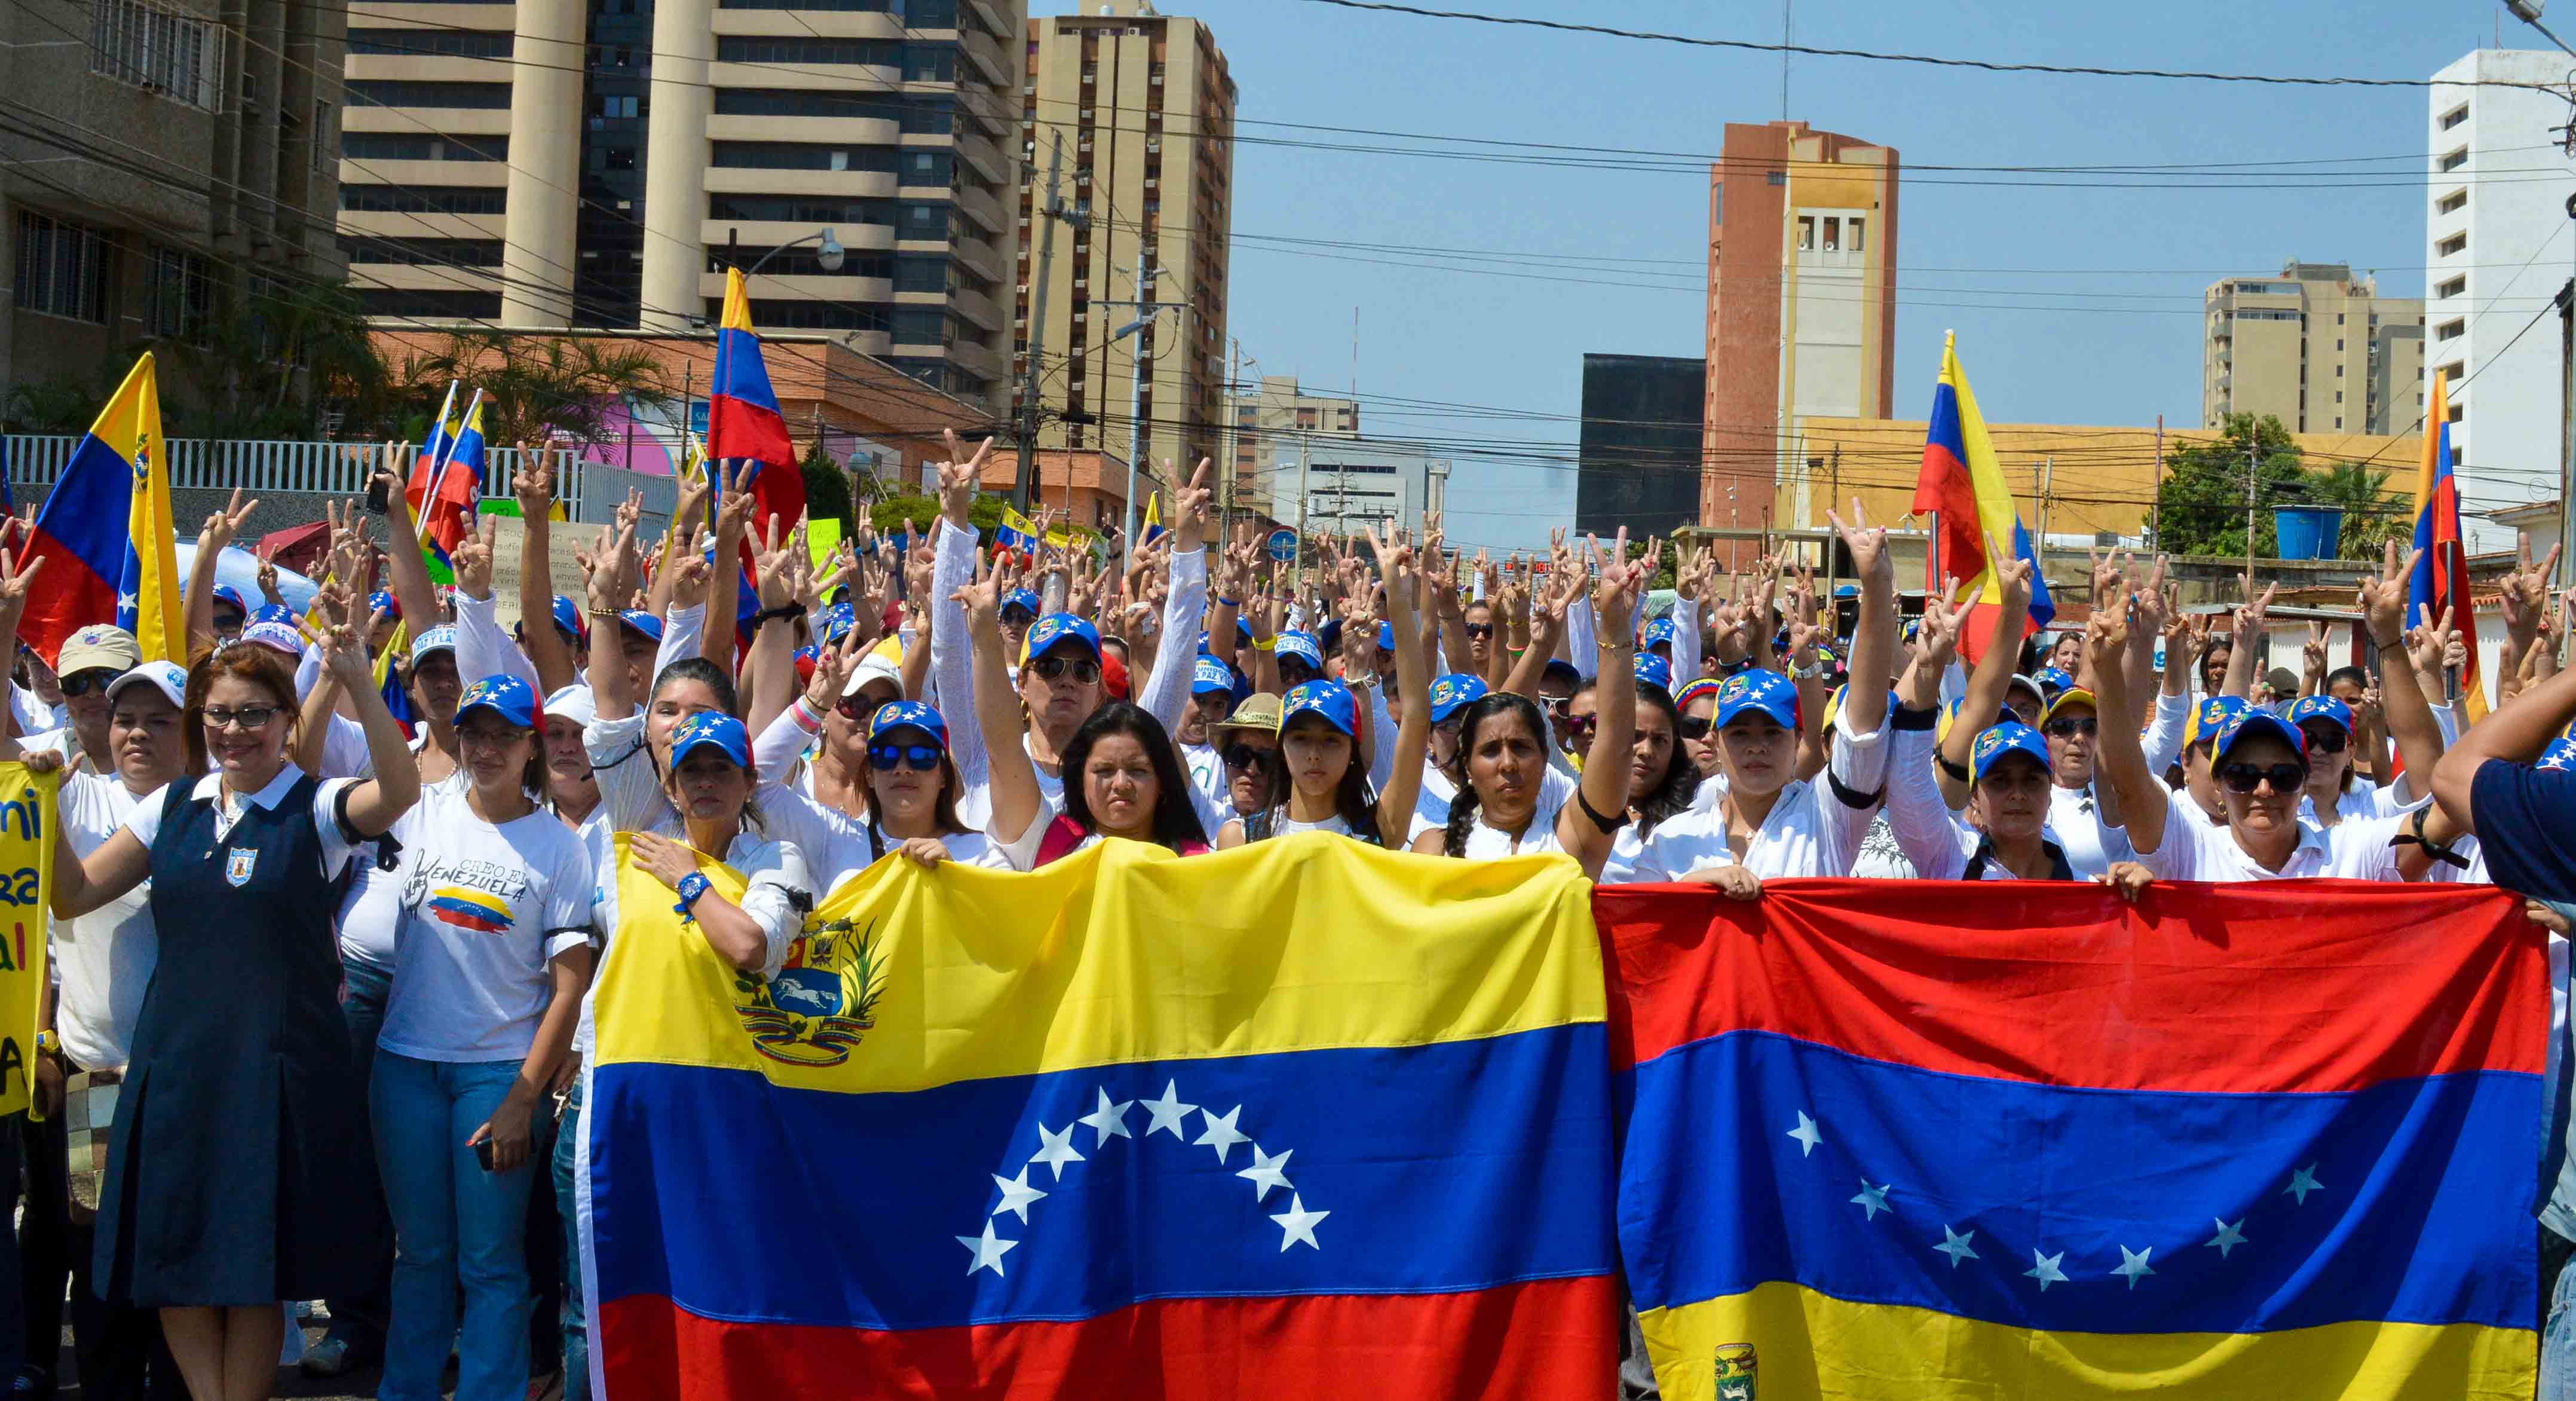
(1462, 816)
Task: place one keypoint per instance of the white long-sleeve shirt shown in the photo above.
(485, 648)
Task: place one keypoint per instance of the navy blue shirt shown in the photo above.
(2527, 827)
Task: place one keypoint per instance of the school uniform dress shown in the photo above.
(234, 1154)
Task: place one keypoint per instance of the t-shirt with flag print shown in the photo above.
(482, 910)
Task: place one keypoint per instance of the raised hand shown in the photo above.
(1936, 638)
(2525, 590)
(16, 577)
(2252, 614)
(2312, 656)
(534, 486)
(2383, 598)
(223, 525)
(1622, 583)
(1190, 507)
(960, 477)
(775, 565)
(472, 559)
(1867, 545)
(733, 513)
(268, 590)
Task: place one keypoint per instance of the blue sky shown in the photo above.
(1516, 341)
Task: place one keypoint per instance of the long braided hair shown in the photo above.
(1680, 784)
(1492, 705)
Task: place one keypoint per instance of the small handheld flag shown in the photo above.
(2441, 581)
(1963, 483)
(106, 527)
(1153, 516)
(1017, 532)
(442, 497)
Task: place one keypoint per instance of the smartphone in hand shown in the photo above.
(376, 501)
(483, 1152)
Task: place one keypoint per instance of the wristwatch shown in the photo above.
(692, 886)
(48, 1044)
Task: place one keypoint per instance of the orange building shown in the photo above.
(1801, 303)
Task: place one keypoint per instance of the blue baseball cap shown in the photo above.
(506, 696)
(226, 593)
(1654, 671)
(2322, 708)
(1386, 637)
(1057, 628)
(640, 621)
(899, 715)
(1760, 692)
(711, 729)
(2253, 721)
(837, 622)
(273, 613)
(1559, 666)
(1022, 598)
(1453, 693)
(567, 616)
(2560, 755)
(2209, 717)
(1659, 633)
(1329, 699)
(2052, 680)
(1210, 675)
(1302, 647)
(383, 601)
(441, 638)
(2002, 738)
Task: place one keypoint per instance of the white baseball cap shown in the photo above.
(169, 678)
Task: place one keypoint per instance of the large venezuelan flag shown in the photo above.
(106, 536)
(744, 423)
(2250, 1141)
(1963, 482)
(2441, 578)
(1299, 1120)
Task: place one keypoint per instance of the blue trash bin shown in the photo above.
(2308, 532)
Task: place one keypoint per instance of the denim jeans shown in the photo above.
(2558, 1322)
(455, 1225)
(576, 1325)
(358, 1320)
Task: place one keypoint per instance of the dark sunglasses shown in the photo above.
(1582, 725)
(2243, 778)
(2072, 726)
(81, 683)
(1018, 613)
(1699, 728)
(854, 707)
(1084, 670)
(2324, 739)
(904, 756)
(1243, 756)
(1480, 629)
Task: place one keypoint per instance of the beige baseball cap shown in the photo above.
(99, 647)
(1259, 711)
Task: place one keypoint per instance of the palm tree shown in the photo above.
(540, 390)
(2371, 515)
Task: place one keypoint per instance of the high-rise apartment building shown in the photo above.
(2489, 225)
(2314, 347)
(1269, 425)
(1136, 110)
(597, 163)
(163, 165)
(1801, 305)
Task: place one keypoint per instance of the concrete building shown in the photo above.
(1801, 303)
(1640, 444)
(165, 164)
(1138, 109)
(1352, 483)
(2495, 254)
(2314, 347)
(596, 163)
(1265, 426)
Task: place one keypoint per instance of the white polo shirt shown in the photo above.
(2356, 849)
(1809, 832)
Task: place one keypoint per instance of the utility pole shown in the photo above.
(1304, 461)
(2039, 547)
(1147, 310)
(1233, 439)
(1833, 567)
(2252, 483)
(1024, 490)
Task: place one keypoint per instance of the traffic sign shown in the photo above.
(1283, 544)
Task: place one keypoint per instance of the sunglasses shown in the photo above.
(853, 707)
(1243, 756)
(1084, 670)
(81, 683)
(2325, 739)
(1582, 726)
(1699, 728)
(1480, 629)
(2070, 727)
(2244, 778)
(903, 756)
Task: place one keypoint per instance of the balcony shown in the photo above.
(986, 55)
(976, 307)
(981, 257)
(983, 209)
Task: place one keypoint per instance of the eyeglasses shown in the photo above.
(1697, 728)
(484, 739)
(1084, 670)
(249, 717)
(2324, 739)
(903, 756)
(81, 683)
(2072, 726)
(1243, 756)
(1480, 629)
(2243, 778)
(1018, 615)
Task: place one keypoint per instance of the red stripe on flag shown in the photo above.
(1545, 1338)
(2227, 989)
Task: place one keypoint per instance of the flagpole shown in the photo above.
(438, 474)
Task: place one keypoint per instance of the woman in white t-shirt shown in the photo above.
(492, 953)
(912, 795)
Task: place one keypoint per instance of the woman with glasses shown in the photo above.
(2336, 789)
(234, 1155)
(1245, 744)
(2262, 764)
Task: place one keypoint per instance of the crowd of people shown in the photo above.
(329, 935)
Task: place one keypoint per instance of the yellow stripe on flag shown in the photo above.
(1997, 514)
(130, 426)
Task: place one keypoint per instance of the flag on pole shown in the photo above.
(2442, 576)
(106, 531)
(1963, 484)
(1017, 532)
(456, 482)
(1153, 517)
(744, 424)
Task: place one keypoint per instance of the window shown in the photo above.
(799, 209)
(421, 302)
(158, 50)
(2451, 330)
(1806, 233)
(62, 268)
(180, 294)
(2453, 202)
(450, 43)
(405, 146)
(1833, 234)
(2338, 396)
(423, 199)
(2338, 339)
(914, 272)
(2455, 160)
(759, 48)
(800, 155)
(2455, 116)
(424, 252)
(2338, 372)
(930, 14)
(1852, 231)
(615, 105)
(2455, 287)
(930, 63)
(805, 313)
(2456, 243)
(493, 97)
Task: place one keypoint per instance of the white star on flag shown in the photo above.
(988, 1249)
(1873, 1199)
(2303, 1182)
(1220, 1133)
(1016, 1194)
(1168, 1112)
(1109, 1120)
(2132, 1266)
(2047, 1272)
(2228, 1237)
(1806, 1134)
(1264, 1173)
(1956, 1246)
(1058, 1150)
(1298, 1224)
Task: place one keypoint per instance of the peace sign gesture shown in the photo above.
(960, 477)
(1867, 545)
(1190, 507)
(223, 525)
(1936, 641)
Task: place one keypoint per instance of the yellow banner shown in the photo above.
(822, 537)
(26, 883)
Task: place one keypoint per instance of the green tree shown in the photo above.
(2201, 499)
(541, 389)
(913, 511)
(827, 491)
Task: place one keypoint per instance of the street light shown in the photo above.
(829, 253)
(2528, 11)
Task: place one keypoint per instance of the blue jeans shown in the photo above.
(358, 1320)
(576, 1325)
(454, 1224)
(2558, 1328)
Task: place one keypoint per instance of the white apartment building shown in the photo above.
(2497, 241)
